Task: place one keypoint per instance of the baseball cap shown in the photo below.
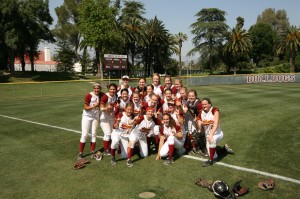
(125, 77)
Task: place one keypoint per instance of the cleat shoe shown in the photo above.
(113, 161)
(196, 151)
(208, 163)
(168, 162)
(106, 153)
(228, 149)
(97, 156)
(80, 156)
(129, 163)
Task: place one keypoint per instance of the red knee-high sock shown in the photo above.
(81, 147)
(129, 152)
(113, 152)
(212, 152)
(93, 146)
(171, 151)
(105, 145)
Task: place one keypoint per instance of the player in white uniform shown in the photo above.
(209, 118)
(141, 88)
(123, 124)
(170, 139)
(90, 119)
(137, 102)
(191, 111)
(158, 89)
(167, 98)
(153, 103)
(122, 101)
(168, 82)
(144, 125)
(149, 92)
(125, 84)
(176, 89)
(107, 103)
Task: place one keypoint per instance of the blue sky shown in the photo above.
(178, 15)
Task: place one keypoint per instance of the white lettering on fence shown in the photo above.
(270, 78)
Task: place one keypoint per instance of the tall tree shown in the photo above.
(263, 41)
(238, 41)
(11, 31)
(66, 30)
(180, 38)
(36, 21)
(289, 43)
(210, 29)
(155, 52)
(277, 19)
(97, 26)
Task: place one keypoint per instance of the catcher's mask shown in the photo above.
(221, 190)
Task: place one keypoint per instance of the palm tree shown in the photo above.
(133, 35)
(239, 41)
(180, 38)
(157, 45)
(130, 24)
(289, 42)
(209, 29)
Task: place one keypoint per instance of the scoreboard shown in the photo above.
(115, 62)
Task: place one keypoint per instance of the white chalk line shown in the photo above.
(186, 156)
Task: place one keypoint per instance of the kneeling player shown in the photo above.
(144, 125)
(171, 138)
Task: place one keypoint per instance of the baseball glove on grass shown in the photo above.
(238, 189)
(204, 183)
(79, 164)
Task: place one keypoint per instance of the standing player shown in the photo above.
(209, 118)
(167, 82)
(125, 84)
(167, 99)
(149, 92)
(141, 88)
(137, 102)
(158, 89)
(177, 87)
(144, 125)
(90, 119)
(122, 101)
(107, 103)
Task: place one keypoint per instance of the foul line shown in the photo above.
(186, 156)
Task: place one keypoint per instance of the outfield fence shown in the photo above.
(12, 91)
(244, 79)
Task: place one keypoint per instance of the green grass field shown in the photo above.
(261, 123)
